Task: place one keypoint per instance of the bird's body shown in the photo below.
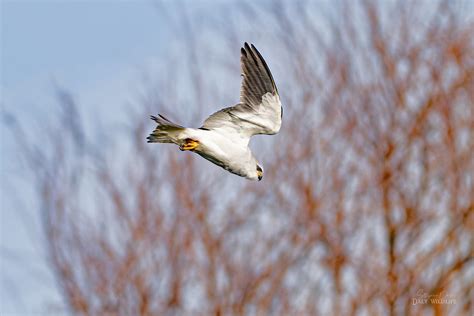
(223, 139)
(227, 152)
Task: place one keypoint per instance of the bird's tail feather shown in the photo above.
(165, 132)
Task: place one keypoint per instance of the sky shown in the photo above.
(96, 50)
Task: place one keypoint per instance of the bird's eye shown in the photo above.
(259, 173)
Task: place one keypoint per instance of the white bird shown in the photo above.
(224, 136)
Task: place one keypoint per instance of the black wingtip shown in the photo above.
(262, 60)
(154, 118)
(252, 53)
(256, 51)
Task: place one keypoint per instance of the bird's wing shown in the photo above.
(259, 110)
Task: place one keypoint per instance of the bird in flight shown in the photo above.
(224, 136)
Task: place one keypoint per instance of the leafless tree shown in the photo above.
(367, 202)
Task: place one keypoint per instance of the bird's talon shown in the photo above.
(190, 144)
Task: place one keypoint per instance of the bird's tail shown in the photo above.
(165, 132)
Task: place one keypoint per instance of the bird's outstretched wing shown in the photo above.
(259, 110)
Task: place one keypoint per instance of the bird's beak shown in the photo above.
(259, 175)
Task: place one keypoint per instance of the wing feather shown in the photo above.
(257, 78)
(259, 110)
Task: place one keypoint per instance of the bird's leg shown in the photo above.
(189, 144)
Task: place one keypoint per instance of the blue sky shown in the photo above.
(96, 49)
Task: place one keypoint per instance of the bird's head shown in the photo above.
(259, 172)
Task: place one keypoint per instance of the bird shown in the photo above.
(223, 138)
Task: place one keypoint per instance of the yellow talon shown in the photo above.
(190, 144)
